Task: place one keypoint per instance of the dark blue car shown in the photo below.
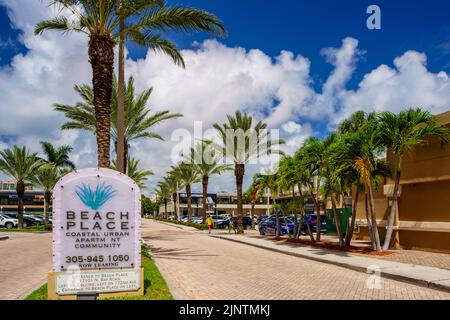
(268, 226)
(311, 219)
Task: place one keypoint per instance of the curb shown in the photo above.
(402, 278)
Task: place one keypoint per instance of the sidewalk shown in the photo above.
(432, 277)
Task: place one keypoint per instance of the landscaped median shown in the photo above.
(28, 229)
(155, 286)
(187, 224)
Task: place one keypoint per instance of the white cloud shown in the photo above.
(218, 80)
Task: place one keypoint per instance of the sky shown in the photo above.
(300, 66)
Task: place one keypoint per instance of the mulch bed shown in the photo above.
(334, 246)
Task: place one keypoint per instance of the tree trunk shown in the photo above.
(239, 172)
(337, 221)
(369, 223)
(165, 208)
(175, 208)
(277, 221)
(350, 228)
(284, 218)
(20, 190)
(205, 180)
(252, 213)
(390, 226)
(374, 220)
(294, 211)
(101, 57)
(317, 205)
(47, 197)
(189, 204)
(120, 125)
(319, 218)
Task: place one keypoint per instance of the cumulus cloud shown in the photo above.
(217, 80)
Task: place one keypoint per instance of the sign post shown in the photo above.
(96, 236)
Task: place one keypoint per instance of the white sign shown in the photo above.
(96, 221)
(69, 283)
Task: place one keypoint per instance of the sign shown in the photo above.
(96, 221)
(68, 283)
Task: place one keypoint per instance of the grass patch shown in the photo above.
(155, 287)
(187, 224)
(29, 229)
(39, 294)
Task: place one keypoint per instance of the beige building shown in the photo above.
(423, 213)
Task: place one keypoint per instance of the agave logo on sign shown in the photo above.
(95, 199)
(96, 221)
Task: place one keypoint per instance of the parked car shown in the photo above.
(220, 221)
(261, 218)
(247, 221)
(268, 226)
(312, 221)
(7, 222)
(27, 221)
(198, 220)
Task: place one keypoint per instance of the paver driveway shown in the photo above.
(197, 266)
(25, 260)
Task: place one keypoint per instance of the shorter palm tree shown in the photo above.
(139, 122)
(46, 177)
(207, 162)
(164, 193)
(21, 165)
(188, 174)
(57, 156)
(137, 174)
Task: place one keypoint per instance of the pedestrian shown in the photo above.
(231, 225)
(209, 222)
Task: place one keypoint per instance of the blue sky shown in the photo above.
(332, 65)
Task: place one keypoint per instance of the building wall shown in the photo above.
(424, 203)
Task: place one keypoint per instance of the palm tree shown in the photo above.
(312, 157)
(253, 194)
(205, 158)
(163, 192)
(137, 174)
(268, 181)
(241, 143)
(141, 23)
(188, 174)
(58, 157)
(139, 123)
(400, 134)
(46, 177)
(21, 165)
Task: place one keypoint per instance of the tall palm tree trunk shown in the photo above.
(205, 181)
(349, 235)
(337, 221)
(120, 125)
(369, 223)
(175, 207)
(165, 209)
(390, 226)
(101, 57)
(189, 199)
(20, 189)
(47, 197)
(319, 218)
(317, 205)
(374, 220)
(239, 172)
(252, 213)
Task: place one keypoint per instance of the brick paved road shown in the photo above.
(25, 260)
(200, 267)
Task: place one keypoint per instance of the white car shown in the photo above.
(7, 222)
